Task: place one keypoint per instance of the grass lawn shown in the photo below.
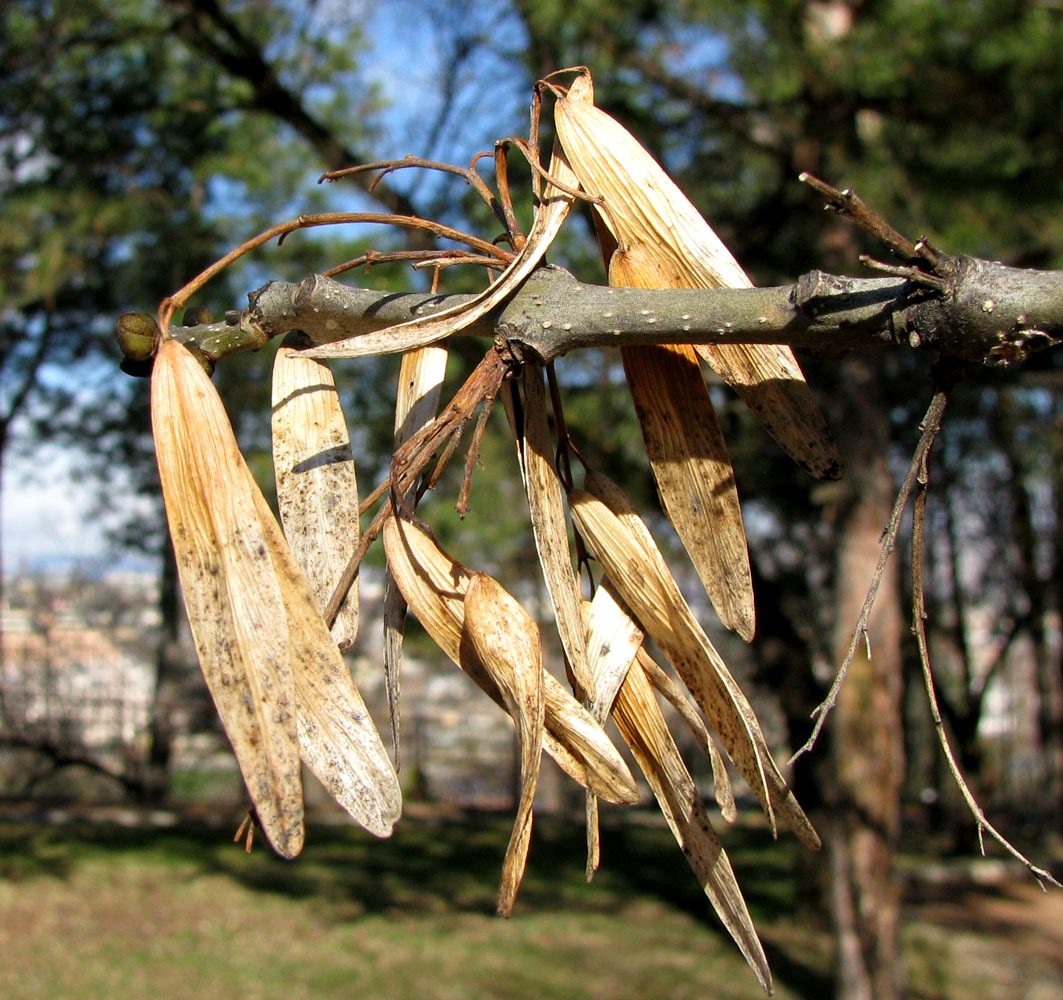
(112, 912)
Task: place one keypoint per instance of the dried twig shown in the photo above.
(385, 167)
(416, 258)
(931, 424)
(172, 303)
(919, 628)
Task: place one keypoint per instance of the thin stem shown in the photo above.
(419, 258)
(931, 424)
(516, 234)
(919, 628)
(849, 203)
(170, 305)
(469, 174)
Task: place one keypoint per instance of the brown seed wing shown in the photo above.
(435, 586)
(644, 206)
(317, 484)
(235, 603)
(506, 640)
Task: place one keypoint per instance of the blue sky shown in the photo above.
(46, 514)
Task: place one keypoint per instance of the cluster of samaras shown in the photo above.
(271, 610)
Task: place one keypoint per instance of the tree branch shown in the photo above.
(988, 314)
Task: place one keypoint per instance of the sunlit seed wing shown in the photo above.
(434, 585)
(317, 484)
(639, 719)
(235, 603)
(338, 740)
(671, 692)
(506, 640)
(613, 638)
(645, 207)
(623, 545)
(546, 502)
(689, 457)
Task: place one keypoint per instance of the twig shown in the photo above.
(172, 303)
(914, 274)
(354, 564)
(516, 234)
(385, 167)
(848, 202)
(445, 430)
(919, 628)
(419, 258)
(931, 267)
(931, 424)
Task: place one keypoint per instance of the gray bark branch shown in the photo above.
(989, 314)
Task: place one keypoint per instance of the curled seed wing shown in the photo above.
(434, 585)
(506, 640)
(551, 213)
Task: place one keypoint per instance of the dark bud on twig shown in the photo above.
(198, 316)
(137, 334)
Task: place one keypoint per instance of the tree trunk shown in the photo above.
(867, 726)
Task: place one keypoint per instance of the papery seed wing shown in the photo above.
(671, 692)
(623, 545)
(689, 458)
(235, 603)
(546, 502)
(644, 206)
(613, 638)
(639, 719)
(337, 738)
(317, 485)
(506, 640)
(434, 585)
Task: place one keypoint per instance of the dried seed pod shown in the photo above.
(644, 208)
(276, 676)
(434, 585)
(505, 638)
(317, 484)
(671, 692)
(644, 729)
(623, 545)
